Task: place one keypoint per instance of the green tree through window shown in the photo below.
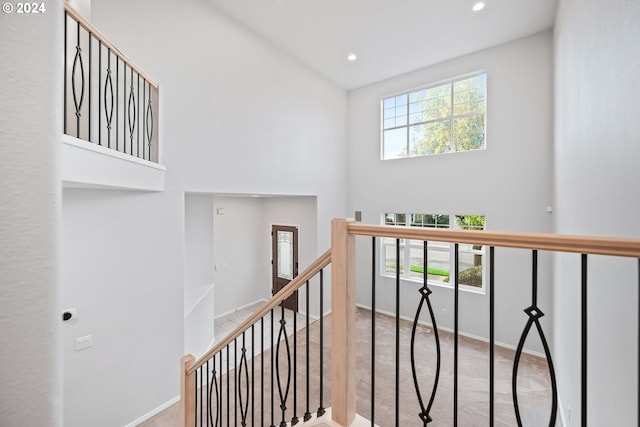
(441, 119)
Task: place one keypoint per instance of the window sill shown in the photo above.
(463, 288)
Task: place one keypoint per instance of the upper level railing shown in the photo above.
(107, 99)
(415, 377)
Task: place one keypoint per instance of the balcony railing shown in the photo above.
(416, 377)
(108, 101)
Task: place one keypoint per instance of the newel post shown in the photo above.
(187, 391)
(343, 319)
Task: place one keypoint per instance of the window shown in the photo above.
(440, 119)
(440, 255)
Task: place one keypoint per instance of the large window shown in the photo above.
(440, 255)
(440, 119)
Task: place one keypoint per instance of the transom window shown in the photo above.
(446, 118)
(440, 255)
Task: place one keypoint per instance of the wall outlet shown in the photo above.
(84, 342)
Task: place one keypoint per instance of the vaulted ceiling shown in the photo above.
(389, 37)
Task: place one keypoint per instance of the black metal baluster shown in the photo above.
(272, 374)
(124, 110)
(244, 410)
(534, 314)
(89, 95)
(456, 288)
(283, 392)
(77, 60)
(66, 49)
(397, 392)
(253, 372)
(221, 392)
(492, 340)
(99, 92)
(373, 331)
(228, 390)
(201, 393)
(132, 105)
(117, 104)
(294, 419)
(108, 111)
(262, 371)
(235, 382)
(425, 293)
(638, 356)
(583, 362)
(144, 116)
(138, 127)
(214, 384)
(208, 417)
(307, 414)
(321, 409)
(149, 121)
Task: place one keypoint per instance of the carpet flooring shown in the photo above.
(534, 396)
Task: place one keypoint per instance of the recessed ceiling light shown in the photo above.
(478, 6)
(352, 57)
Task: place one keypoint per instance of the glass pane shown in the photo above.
(430, 138)
(437, 103)
(469, 95)
(469, 133)
(395, 143)
(438, 265)
(390, 257)
(285, 255)
(470, 270)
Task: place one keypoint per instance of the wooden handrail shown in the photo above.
(283, 294)
(105, 42)
(545, 242)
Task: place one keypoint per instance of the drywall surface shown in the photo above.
(121, 267)
(236, 116)
(198, 241)
(30, 111)
(510, 182)
(597, 146)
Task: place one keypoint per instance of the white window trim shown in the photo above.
(450, 117)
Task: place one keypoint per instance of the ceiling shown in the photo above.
(389, 37)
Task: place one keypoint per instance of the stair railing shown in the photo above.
(281, 390)
(202, 404)
(108, 100)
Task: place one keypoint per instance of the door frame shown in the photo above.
(277, 282)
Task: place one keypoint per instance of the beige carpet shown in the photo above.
(473, 387)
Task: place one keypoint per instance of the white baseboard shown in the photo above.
(239, 308)
(153, 412)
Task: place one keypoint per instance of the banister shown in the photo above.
(614, 246)
(282, 295)
(105, 41)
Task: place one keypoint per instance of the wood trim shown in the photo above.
(187, 385)
(343, 319)
(545, 242)
(105, 42)
(295, 284)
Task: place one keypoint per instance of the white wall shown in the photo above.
(597, 146)
(241, 259)
(510, 182)
(234, 113)
(122, 269)
(198, 241)
(30, 111)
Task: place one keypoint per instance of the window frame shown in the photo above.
(405, 255)
(451, 117)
